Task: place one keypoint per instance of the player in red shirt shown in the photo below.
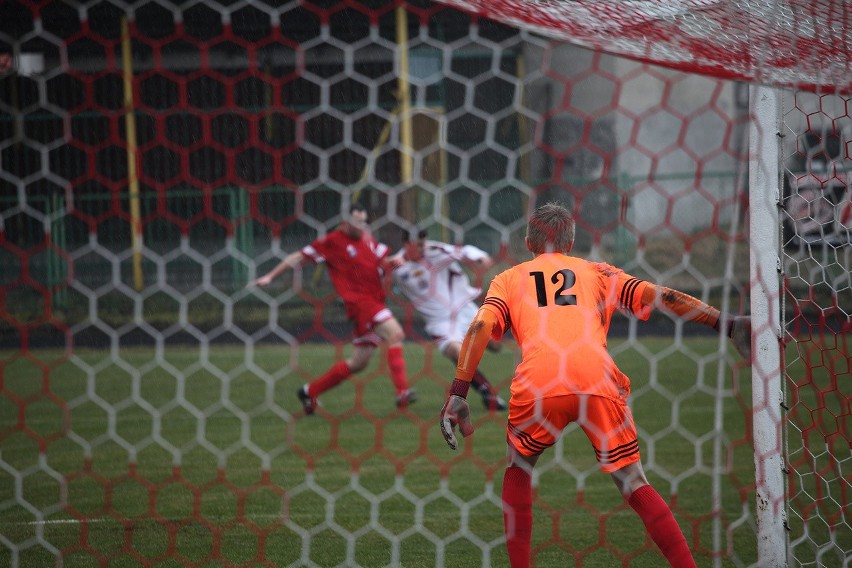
(354, 260)
(558, 308)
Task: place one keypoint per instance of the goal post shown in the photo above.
(767, 402)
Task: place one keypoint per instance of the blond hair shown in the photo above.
(550, 229)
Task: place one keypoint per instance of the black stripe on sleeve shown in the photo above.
(502, 308)
(627, 293)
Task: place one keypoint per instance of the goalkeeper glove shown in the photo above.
(740, 334)
(739, 330)
(456, 412)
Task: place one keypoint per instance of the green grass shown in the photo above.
(206, 459)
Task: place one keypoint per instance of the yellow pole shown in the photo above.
(132, 177)
(445, 202)
(404, 93)
(523, 127)
(384, 135)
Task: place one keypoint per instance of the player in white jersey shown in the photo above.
(431, 276)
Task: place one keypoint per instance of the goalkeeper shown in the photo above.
(559, 308)
(431, 276)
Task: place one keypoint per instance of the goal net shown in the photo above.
(157, 156)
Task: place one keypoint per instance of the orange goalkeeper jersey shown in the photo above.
(559, 309)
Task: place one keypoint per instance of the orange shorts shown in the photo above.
(534, 426)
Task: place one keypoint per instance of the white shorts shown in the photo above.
(452, 327)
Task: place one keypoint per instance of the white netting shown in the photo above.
(147, 408)
(818, 305)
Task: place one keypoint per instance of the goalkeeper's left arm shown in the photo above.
(738, 328)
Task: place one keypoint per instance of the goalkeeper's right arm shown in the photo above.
(456, 411)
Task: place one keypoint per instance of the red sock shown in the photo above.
(661, 525)
(480, 381)
(517, 515)
(396, 364)
(333, 377)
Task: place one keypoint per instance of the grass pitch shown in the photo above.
(205, 458)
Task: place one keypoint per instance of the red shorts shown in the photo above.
(366, 314)
(534, 426)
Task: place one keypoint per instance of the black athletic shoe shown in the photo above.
(492, 401)
(308, 403)
(406, 397)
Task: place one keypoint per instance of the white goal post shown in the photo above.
(765, 177)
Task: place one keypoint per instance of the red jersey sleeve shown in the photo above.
(315, 252)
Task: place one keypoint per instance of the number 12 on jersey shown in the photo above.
(561, 297)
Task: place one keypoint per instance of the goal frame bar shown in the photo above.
(765, 272)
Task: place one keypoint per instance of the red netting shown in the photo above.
(153, 420)
(801, 43)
